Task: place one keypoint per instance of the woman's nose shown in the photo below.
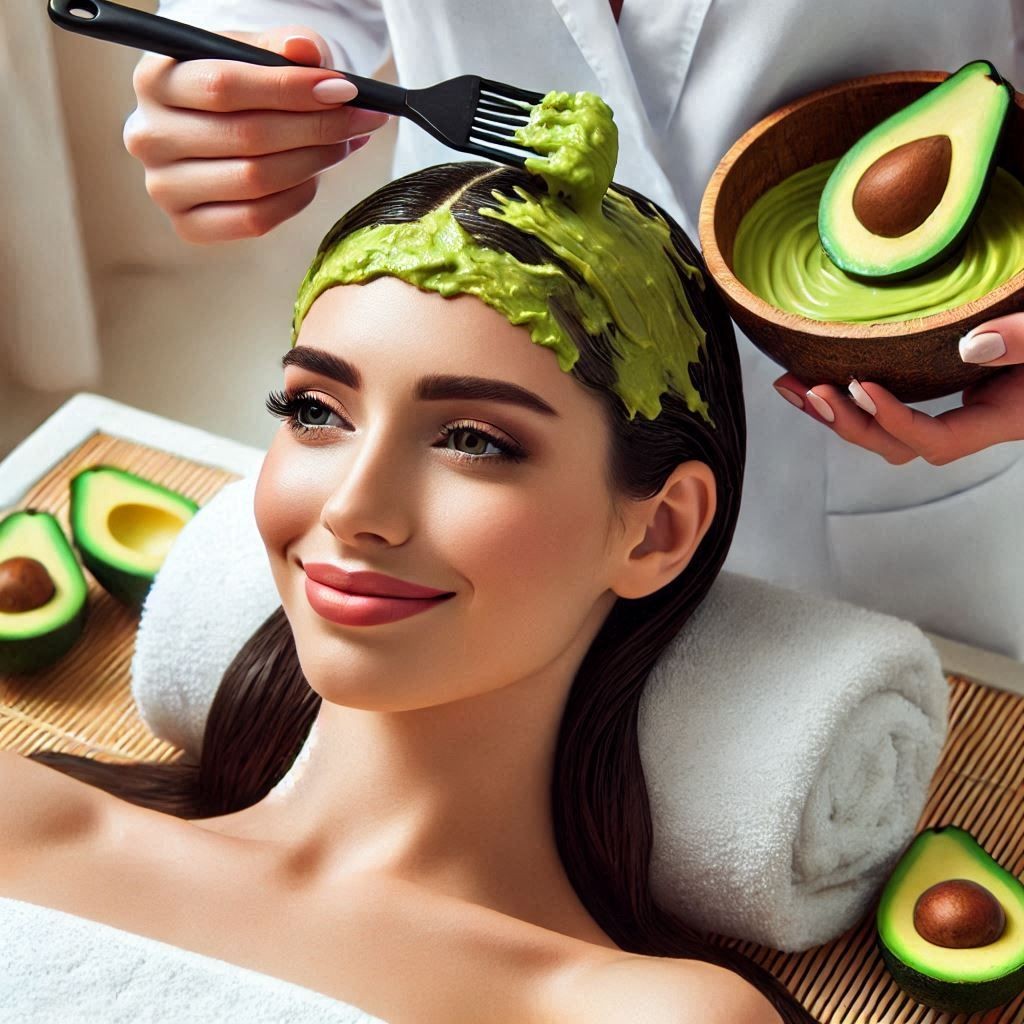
(370, 498)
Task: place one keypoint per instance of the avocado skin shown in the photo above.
(956, 242)
(966, 997)
(18, 657)
(942, 993)
(22, 655)
(128, 585)
(128, 588)
(949, 252)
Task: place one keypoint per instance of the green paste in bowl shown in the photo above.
(778, 256)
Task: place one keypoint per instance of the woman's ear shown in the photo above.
(662, 532)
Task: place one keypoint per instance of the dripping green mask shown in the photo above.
(632, 288)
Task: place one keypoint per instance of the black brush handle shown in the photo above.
(116, 23)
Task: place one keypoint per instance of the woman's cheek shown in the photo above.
(286, 496)
(526, 540)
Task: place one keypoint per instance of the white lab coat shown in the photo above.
(941, 546)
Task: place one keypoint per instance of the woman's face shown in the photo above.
(415, 488)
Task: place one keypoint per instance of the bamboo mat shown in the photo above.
(83, 705)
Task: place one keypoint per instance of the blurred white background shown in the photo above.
(195, 333)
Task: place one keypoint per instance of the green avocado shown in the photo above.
(124, 525)
(904, 197)
(43, 592)
(985, 966)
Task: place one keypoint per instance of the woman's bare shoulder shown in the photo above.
(40, 806)
(659, 990)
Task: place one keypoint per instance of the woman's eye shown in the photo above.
(311, 413)
(303, 414)
(472, 442)
(307, 416)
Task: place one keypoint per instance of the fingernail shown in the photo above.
(861, 397)
(980, 348)
(789, 396)
(821, 407)
(364, 121)
(334, 90)
(321, 58)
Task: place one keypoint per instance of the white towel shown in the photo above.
(788, 740)
(212, 592)
(59, 968)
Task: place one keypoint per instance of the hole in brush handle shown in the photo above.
(116, 23)
(62, 10)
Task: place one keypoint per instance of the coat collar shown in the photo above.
(593, 28)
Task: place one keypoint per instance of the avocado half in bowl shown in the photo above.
(916, 358)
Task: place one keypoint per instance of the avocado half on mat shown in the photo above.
(43, 592)
(124, 525)
(906, 194)
(950, 924)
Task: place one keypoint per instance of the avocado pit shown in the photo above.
(899, 191)
(907, 195)
(24, 584)
(959, 914)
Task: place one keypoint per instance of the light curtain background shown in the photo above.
(48, 330)
(99, 293)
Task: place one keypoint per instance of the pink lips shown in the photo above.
(365, 598)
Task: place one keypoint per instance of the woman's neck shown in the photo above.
(456, 797)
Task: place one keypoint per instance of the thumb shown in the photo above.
(298, 43)
(998, 342)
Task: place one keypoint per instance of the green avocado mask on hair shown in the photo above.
(626, 258)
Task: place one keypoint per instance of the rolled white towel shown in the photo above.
(213, 591)
(788, 740)
(788, 743)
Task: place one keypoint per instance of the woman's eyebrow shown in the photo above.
(326, 364)
(432, 388)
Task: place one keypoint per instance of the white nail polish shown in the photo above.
(861, 397)
(334, 90)
(821, 407)
(981, 348)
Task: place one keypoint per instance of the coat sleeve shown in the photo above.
(1017, 20)
(355, 30)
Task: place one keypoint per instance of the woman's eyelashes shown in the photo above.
(305, 413)
(288, 406)
(478, 441)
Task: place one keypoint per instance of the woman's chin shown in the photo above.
(342, 674)
(359, 696)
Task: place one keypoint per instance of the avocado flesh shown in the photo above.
(124, 525)
(33, 639)
(963, 980)
(970, 108)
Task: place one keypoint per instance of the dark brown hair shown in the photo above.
(264, 708)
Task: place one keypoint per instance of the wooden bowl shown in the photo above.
(915, 359)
